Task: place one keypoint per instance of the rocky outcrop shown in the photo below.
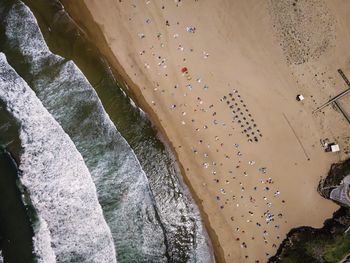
(329, 243)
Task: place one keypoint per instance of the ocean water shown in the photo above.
(122, 186)
(150, 213)
(17, 235)
(186, 238)
(70, 225)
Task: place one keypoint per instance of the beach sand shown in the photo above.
(220, 80)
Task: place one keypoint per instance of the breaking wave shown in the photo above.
(122, 186)
(71, 226)
(153, 218)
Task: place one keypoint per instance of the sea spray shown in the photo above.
(122, 186)
(42, 242)
(72, 227)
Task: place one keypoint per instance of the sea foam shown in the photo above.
(148, 216)
(71, 225)
(122, 186)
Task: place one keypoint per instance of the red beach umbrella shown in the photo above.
(184, 70)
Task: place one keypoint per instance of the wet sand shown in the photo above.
(219, 79)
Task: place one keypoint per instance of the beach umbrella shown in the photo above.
(184, 70)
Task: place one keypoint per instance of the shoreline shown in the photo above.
(120, 44)
(136, 95)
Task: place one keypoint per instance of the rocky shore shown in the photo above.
(331, 243)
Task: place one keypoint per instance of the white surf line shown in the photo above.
(113, 164)
(71, 224)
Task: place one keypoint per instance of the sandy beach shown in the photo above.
(219, 79)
